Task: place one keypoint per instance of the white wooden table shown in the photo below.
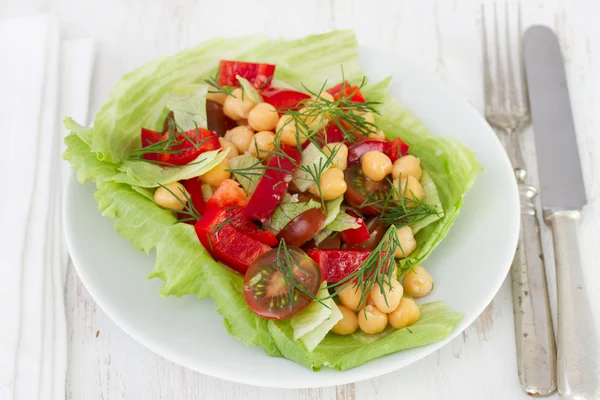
(442, 36)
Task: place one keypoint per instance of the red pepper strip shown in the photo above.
(259, 75)
(337, 264)
(348, 91)
(273, 184)
(227, 244)
(228, 194)
(194, 188)
(356, 151)
(244, 225)
(397, 149)
(150, 137)
(188, 147)
(283, 98)
(356, 235)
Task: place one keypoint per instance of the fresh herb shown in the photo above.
(215, 87)
(189, 212)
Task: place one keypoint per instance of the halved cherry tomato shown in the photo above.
(187, 146)
(266, 290)
(362, 190)
(259, 75)
(283, 98)
(337, 264)
(345, 90)
(302, 228)
(216, 120)
(228, 194)
(356, 235)
(356, 150)
(332, 242)
(397, 149)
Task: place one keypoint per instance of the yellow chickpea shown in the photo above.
(376, 165)
(407, 166)
(368, 120)
(372, 320)
(314, 119)
(227, 145)
(405, 315)
(408, 244)
(348, 324)
(340, 160)
(216, 97)
(324, 96)
(417, 282)
(408, 187)
(286, 128)
(393, 295)
(218, 174)
(262, 141)
(350, 296)
(379, 135)
(333, 184)
(237, 105)
(241, 137)
(172, 196)
(263, 117)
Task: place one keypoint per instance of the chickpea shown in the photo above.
(408, 244)
(216, 97)
(405, 315)
(407, 166)
(393, 295)
(227, 145)
(376, 165)
(314, 119)
(237, 106)
(325, 96)
(417, 282)
(368, 121)
(286, 128)
(372, 320)
(348, 324)
(340, 160)
(173, 196)
(350, 296)
(379, 135)
(333, 184)
(408, 187)
(263, 117)
(262, 141)
(240, 136)
(218, 174)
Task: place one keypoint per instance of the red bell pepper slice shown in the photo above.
(226, 243)
(150, 137)
(194, 188)
(259, 75)
(228, 194)
(186, 147)
(273, 184)
(244, 225)
(397, 149)
(356, 235)
(337, 264)
(356, 151)
(283, 98)
(345, 90)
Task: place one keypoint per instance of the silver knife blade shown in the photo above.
(561, 181)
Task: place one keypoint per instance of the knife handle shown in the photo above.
(578, 335)
(536, 352)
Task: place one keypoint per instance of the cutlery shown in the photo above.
(507, 110)
(563, 197)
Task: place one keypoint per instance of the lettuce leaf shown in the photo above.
(285, 212)
(188, 103)
(431, 197)
(246, 174)
(342, 222)
(249, 90)
(332, 209)
(312, 159)
(87, 164)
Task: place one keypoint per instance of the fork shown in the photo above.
(507, 111)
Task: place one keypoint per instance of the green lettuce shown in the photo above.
(332, 209)
(188, 103)
(248, 170)
(140, 99)
(285, 212)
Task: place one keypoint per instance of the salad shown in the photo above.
(275, 178)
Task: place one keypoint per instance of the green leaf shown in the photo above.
(285, 212)
(248, 90)
(431, 197)
(312, 158)
(188, 103)
(332, 209)
(248, 170)
(342, 222)
(87, 164)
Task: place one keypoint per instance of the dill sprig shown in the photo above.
(189, 211)
(215, 87)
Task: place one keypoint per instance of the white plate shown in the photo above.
(469, 266)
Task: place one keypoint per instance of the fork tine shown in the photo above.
(512, 89)
(500, 86)
(488, 85)
(524, 98)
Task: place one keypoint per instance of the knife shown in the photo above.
(563, 197)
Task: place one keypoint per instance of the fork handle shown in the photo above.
(536, 351)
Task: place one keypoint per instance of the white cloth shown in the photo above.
(33, 257)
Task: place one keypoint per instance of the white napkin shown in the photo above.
(33, 342)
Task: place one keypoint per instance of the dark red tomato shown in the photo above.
(259, 75)
(216, 119)
(357, 150)
(361, 190)
(332, 243)
(186, 147)
(345, 90)
(337, 264)
(376, 231)
(266, 290)
(169, 119)
(397, 149)
(302, 228)
(283, 98)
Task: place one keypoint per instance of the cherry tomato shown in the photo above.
(283, 98)
(302, 228)
(361, 189)
(216, 120)
(266, 290)
(187, 146)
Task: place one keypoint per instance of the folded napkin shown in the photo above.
(35, 73)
